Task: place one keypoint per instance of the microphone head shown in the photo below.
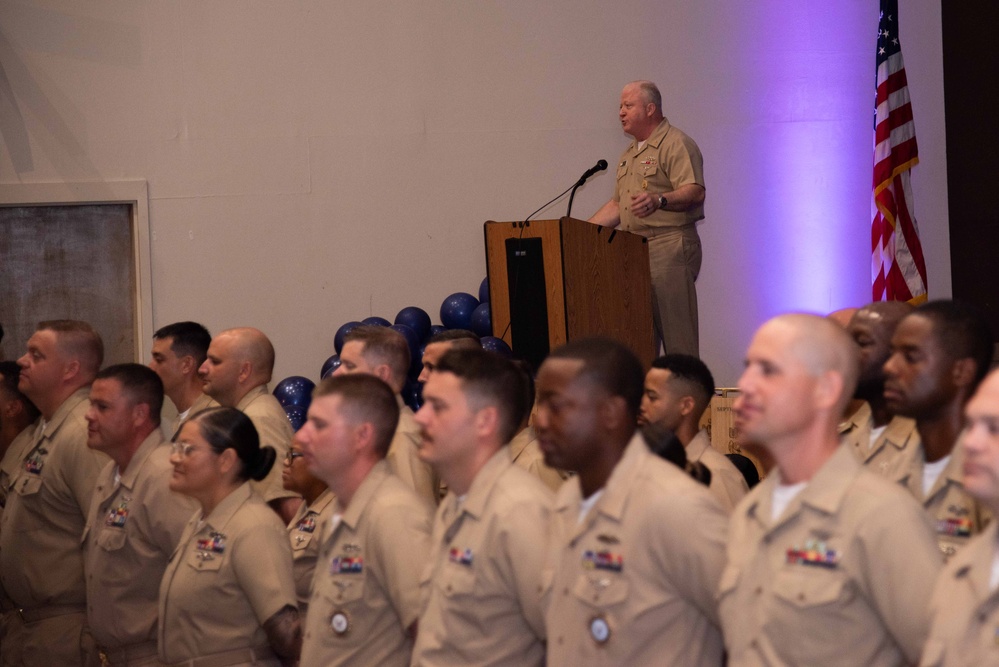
(601, 165)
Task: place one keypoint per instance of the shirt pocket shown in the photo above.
(28, 485)
(806, 589)
(622, 169)
(457, 581)
(204, 561)
(301, 541)
(601, 590)
(344, 589)
(111, 539)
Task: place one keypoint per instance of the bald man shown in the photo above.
(827, 563)
(879, 438)
(235, 374)
(659, 194)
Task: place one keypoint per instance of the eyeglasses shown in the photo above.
(183, 449)
(290, 457)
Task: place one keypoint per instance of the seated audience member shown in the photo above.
(663, 443)
(449, 339)
(828, 563)
(228, 595)
(678, 389)
(179, 350)
(135, 520)
(636, 547)
(879, 438)
(235, 374)
(482, 603)
(366, 593)
(939, 354)
(384, 353)
(965, 605)
(310, 523)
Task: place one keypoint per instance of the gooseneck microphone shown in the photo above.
(599, 166)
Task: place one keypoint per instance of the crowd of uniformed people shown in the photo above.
(576, 516)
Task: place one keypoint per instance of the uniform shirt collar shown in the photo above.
(64, 410)
(225, 510)
(251, 396)
(152, 441)
(351, 515)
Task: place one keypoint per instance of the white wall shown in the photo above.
(314, 162)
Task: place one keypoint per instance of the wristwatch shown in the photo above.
(662, 201)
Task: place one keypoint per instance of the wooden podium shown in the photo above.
(552, 281)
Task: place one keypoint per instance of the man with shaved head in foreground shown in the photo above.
(828, 563)
(239, 366)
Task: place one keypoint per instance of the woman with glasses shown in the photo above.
(227, 596)
(310, 523)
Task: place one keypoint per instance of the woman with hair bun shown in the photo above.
(227, 596)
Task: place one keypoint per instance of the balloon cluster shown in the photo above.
(458, 311)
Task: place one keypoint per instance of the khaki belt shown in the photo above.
(123, 654)
(51, 611)
(228, 658)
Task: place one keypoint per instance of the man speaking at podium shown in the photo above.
(659, 194)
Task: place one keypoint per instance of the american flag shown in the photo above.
(898, 271)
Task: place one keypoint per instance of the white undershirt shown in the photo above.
(931, 472)
(782, 497)
(875, 434)
(587, 505)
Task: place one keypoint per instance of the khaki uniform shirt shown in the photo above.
(133, 526)
(367, 585)
(482, 591)
(667, 160)
(275, 431)
(228, 576)
(404, 461)
(202, 402)
(13, 459)
(634, 583)
(526, 453)
(305, 531)
(41, 563)
(965, 609)
(895, 447)
(956, 515)
(727, 483)
(843, 577)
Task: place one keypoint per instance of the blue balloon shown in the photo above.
(457, 309)
(497, 345)
(376, 321)
(341, 333)
(416, 319)
(484, 290)
(482, 321)
(412, 394)
(413, 340)
(329, 366)
(296, 415)
(436, 329)
(294, 390)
